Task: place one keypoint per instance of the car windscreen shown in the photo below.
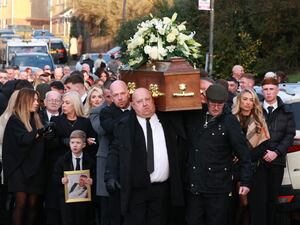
(27, 49)
(295, 107)
(56, 45)
(32, 61)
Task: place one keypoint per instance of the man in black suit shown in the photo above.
(143, 162)
(109, 116)
(52, 104)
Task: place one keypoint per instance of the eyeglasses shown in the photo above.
(215, 105)
(54, 100)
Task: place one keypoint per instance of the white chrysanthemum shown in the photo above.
(153, 53)
(147, 49)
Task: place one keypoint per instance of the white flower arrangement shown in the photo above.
(161, 39)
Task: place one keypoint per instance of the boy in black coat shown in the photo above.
(76, 213)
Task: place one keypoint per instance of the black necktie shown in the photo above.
(77, 164)
(150, 156)
(270, 110)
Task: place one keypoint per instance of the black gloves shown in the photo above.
(112, 185)
(48, 131)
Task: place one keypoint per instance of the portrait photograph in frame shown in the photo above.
(76, 190)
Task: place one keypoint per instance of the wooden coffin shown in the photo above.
(175, 84)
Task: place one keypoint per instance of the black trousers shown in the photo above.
(257, 197)
(78, 213)
(148, 206)
(274, 179)
(207, 208)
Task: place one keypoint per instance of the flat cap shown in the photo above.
(217, 93)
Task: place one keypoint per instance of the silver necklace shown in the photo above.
(207, 121)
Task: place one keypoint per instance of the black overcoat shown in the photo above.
(120, 155)
(23, 157)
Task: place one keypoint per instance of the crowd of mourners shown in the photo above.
(222, 164)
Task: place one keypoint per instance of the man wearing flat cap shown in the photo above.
(213, 136)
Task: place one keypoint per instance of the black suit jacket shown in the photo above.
(120, 155)
(64, 163)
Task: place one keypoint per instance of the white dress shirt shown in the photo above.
(266, 105)
(74, 161)
(161, 161)
(49, 115)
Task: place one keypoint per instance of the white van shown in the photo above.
(21, 46)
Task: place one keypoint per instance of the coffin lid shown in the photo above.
(176, 65)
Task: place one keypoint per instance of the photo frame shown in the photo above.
(76, 190)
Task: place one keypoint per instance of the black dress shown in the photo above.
(23, 158)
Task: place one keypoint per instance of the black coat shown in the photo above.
(59, 146)
(63, 130)
(109, 116)
(211, 150)
(64, 163)
(22, 151)
(119, 162)
(73, 213)
(282, 128)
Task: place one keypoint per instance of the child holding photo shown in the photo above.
(75, 213)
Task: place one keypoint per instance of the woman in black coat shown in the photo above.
(71, 119)
(23, 157)
(249, 112)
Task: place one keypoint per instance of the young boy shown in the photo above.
(76, 213)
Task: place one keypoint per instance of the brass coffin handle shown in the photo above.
(153, 88)
(182, 88)
(131, 87)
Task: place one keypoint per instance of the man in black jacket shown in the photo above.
(213, 136)
(281, 126)
(109, 117)
(143, 162)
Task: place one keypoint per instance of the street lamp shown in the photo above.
(211, 36)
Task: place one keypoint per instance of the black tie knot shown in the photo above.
(270, 109)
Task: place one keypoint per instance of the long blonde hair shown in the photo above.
(75, 101)
(22, 108)
(257, 110)
(88, 105)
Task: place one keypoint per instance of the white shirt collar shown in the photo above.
(74, 156)
(266, 105)
(128, 108)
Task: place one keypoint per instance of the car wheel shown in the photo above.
(283, 218)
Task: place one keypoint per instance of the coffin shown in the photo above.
(175, 84)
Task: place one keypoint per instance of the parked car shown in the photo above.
(58, 50)
(6, 31)
(34, 59)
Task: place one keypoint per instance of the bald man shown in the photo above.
(141, 158)
(237, 72)
(109, 117)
